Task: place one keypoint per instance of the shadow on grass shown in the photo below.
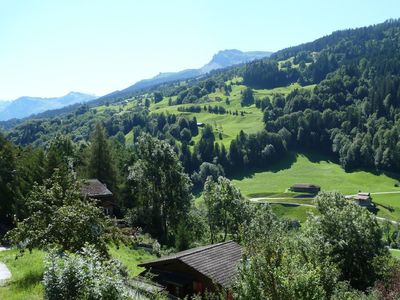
(316, 157)
(28, 280)
(388, 207)
(305, 196)
(282, 164)
(288, 204)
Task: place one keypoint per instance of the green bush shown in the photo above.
(83, 276)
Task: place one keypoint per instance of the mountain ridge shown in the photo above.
(26, 105)
(222, 59)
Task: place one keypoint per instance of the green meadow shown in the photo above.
(320, 170)
(298, 213)
(303, 168)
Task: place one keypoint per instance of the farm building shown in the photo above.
(199, 124)
(363, 199)
(305, 188)
(196, 270)
(93, 188)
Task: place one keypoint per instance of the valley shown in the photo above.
(287, 161)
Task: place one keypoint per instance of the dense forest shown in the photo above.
(352, 112)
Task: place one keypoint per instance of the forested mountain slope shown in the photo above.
(350, 106)
(337, 97)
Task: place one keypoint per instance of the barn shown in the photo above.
(305, 188)
(363, 199)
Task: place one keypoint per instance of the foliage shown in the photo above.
(205, 146)
(7, 179)
(27, 271)
(266, 74)
(83, 276)
(193, 231)
(280, 264)
(160, 187)
(389, 288)
(339, 250)
(226, 208)
(247, 97)
(59, 155)
(101, 165)
(351, 238)
(158, 96)
(58, 217)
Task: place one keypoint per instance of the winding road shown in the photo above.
(266, 200)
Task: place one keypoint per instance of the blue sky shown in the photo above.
(51, 47)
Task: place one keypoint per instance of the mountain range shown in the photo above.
(26, 106)
(223, 59)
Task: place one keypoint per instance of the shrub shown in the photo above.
(84, 275)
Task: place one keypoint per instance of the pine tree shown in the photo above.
(101, 163)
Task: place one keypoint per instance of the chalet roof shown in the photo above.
(305, 185)
(362, 197)
(94, 188)
(218, 262)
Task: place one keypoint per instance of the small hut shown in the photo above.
(93, 188)
(363, 199)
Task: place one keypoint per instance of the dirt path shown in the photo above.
(380, 193)
(4, 273)
(286, 198)
(388, 220)
(272, 198)
(257, 200)
(383, 193)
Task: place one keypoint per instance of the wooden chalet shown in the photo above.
(196, 270)
(305, 188)
(93, 188)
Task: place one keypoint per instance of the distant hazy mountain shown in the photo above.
(227, 58)
(26, 106)
(4, 104)
(222, 59)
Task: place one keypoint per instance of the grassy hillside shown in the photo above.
(227, 124)
(301, 168)
(298, 213)
(27, 271)
(305, 168)
(388, 206)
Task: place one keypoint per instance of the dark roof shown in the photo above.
(94, 188)
(305, 185)
(218, 262)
